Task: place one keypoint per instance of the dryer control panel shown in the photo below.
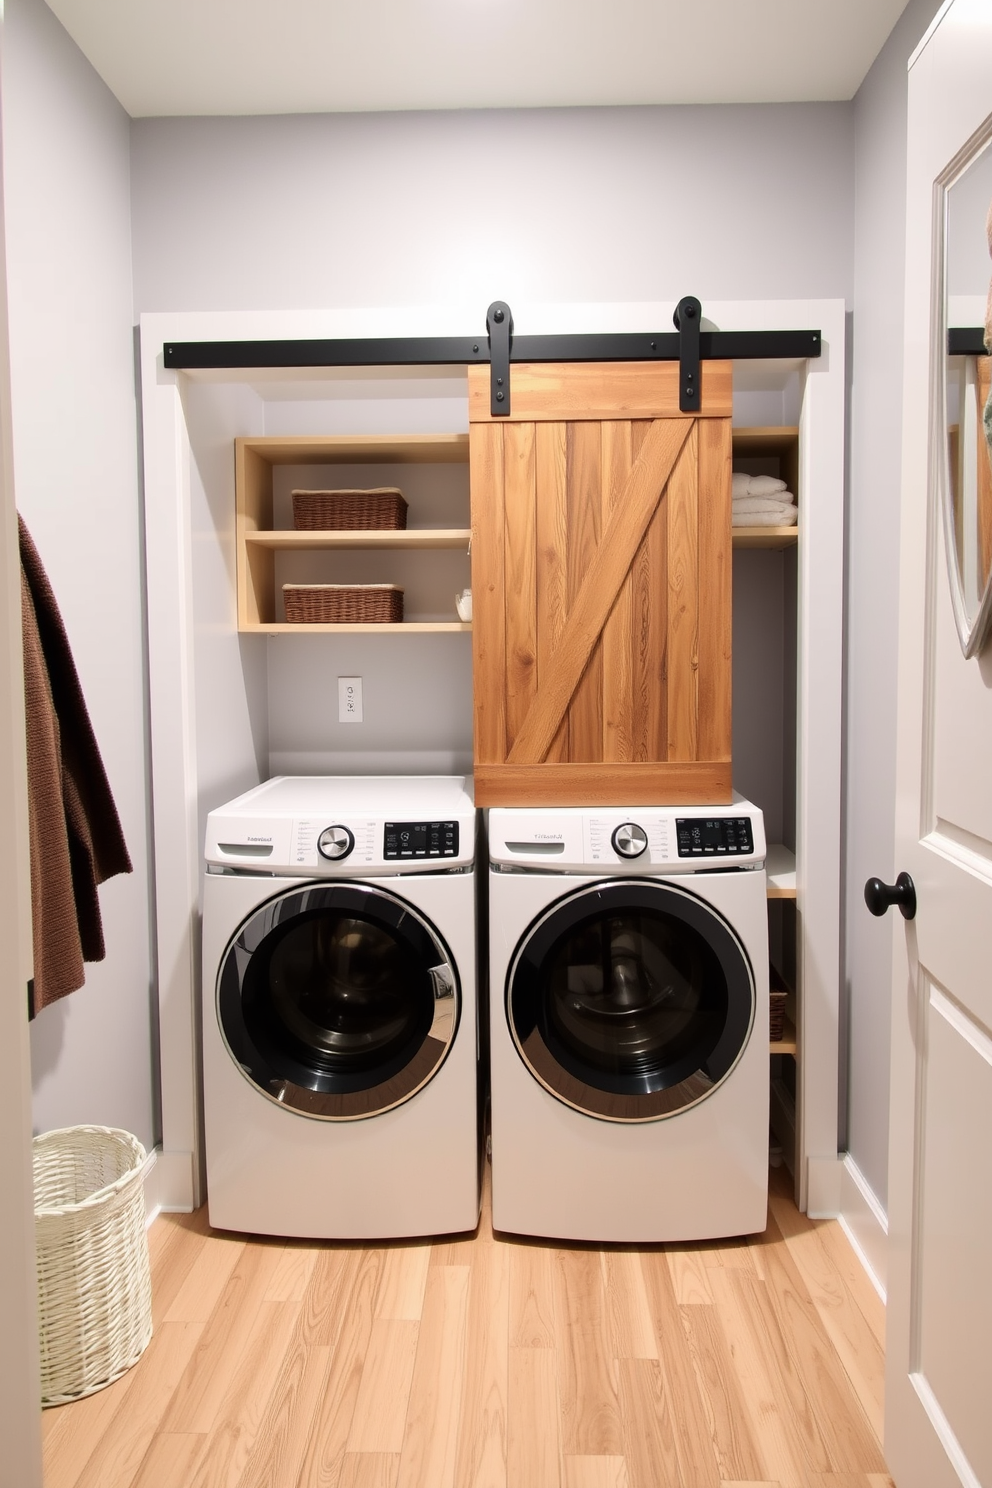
(714, 836)
(345, 826)
(636, 839)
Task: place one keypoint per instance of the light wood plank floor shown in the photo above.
(490, 1363)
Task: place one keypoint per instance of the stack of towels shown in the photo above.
(762, 501)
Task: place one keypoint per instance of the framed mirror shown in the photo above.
(963, 469)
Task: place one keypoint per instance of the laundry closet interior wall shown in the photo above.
(351, 212)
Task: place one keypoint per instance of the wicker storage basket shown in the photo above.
(343, 604)
(363, 511)
(94, 1284)
(776, 1016)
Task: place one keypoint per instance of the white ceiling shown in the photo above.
(162, 57)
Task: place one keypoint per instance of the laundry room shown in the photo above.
(156, 472)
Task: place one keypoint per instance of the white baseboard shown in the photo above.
(865, 1223)
(169, 1186)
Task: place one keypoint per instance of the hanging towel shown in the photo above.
(75, 833)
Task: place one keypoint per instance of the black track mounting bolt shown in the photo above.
(499, 323)
(688, 314)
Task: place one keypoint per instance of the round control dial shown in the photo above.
(335, 843)
(629, 840)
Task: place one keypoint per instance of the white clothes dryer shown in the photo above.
(340, 1036)
(629, 1022)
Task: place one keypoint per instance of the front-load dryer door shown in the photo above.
(630, 1000)
(338, 1000)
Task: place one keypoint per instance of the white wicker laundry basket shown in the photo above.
(94, 1284)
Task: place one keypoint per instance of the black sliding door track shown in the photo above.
(500, 348)
(455, 351)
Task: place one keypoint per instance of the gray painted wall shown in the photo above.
(67, 193)
(872, 580)
(542, 205)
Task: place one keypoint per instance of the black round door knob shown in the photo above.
(879, 896)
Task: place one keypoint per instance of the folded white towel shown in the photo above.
(786, 516)
(764, 503)
(744, 484)
(765, 485)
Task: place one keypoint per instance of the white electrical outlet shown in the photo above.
(350, 700)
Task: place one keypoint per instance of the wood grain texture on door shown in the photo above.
(601, 573)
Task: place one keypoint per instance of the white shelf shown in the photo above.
(780, 869)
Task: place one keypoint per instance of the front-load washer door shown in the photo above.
(338, 1001)
(630, 1000)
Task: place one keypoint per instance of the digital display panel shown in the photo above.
(424, 839)
(721, 836)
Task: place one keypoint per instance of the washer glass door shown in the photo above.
(338, 1000)
(630, 1000)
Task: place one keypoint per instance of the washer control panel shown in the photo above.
(424, 839)
(713, 837)
(636, 839)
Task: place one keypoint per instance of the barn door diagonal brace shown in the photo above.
(499, 323)
(688, 314)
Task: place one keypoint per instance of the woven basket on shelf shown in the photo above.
(776, 1015)
(94, 1284)
(382, 508)
(343, 604)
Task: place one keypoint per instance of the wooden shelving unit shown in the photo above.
(777, 450)
(260, 542)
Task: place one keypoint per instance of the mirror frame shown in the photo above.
(972, 633)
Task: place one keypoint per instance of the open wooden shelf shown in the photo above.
(419, 537)
(787, 1043)
(354, 449)
(780, 871)
(260, 542)
(777, 449)
(404, 627)
(765, 537)
(763, 439)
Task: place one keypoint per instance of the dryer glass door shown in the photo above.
(338, 1000)
(630, 1000)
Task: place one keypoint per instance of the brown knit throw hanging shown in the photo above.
(75, 833)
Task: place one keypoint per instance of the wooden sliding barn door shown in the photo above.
(601, 574)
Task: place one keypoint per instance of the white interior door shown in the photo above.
(938, 1420)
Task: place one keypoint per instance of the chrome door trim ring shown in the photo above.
(373, 1100)
(680, 1096)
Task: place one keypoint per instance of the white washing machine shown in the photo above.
(340, 1034)
(629, 1022)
